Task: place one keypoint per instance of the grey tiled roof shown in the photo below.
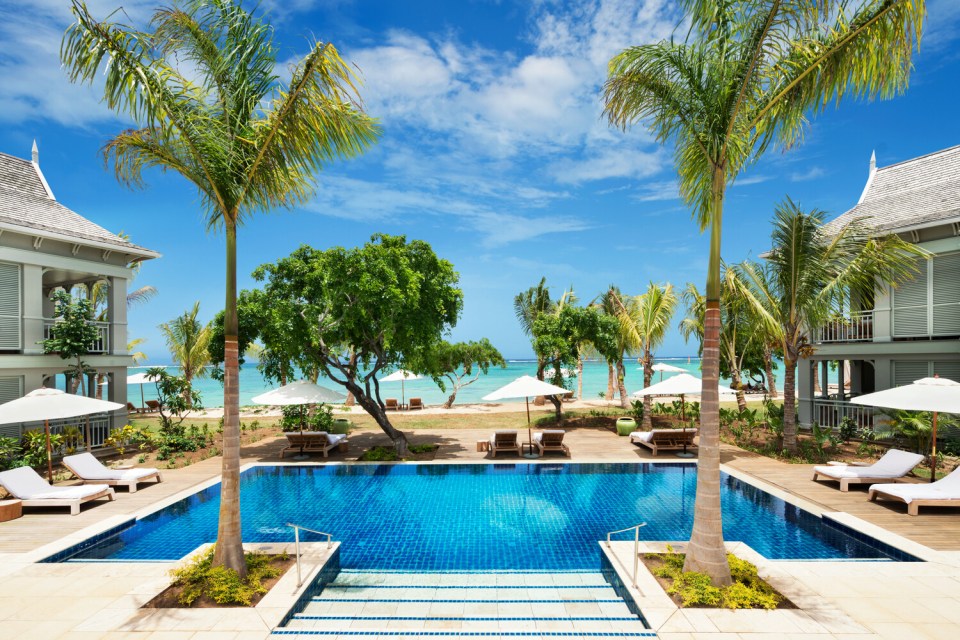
(24, 202)
(917, 192)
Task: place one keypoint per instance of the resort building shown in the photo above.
(45, 246)
(906, 332)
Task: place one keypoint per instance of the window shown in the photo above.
(9, 307)
(929, 304)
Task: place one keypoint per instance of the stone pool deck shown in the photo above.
(842, 600)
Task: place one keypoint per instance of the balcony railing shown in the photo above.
(102, 343)
(856, 328)
(99, 431)
(830, 413)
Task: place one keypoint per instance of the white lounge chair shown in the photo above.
(502, 441)
(658, 440)
(33, 491)
(894, 464)
(90, 470)
(945, 492)
(550, 440)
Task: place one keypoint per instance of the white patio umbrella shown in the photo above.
(681, 385)
(299, 393)
(52, 404)
(662, 367)
(525, 387)
(401, 375)
(140, 379)
(937, 395)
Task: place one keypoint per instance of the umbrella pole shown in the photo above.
(933, 458)
(529, 431)
(46, 429)
(142, 401)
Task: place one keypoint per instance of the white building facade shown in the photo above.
(45, 246)
(906, 332)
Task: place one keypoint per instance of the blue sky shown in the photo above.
(493, 151)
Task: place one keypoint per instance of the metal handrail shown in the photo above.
(636, 546)
(296, 541)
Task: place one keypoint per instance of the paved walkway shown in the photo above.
(850, 599)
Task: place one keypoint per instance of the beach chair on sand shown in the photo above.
(502, 441)
(658, 440)
(945, 492)
(550, 440)
(391, 404)
(26, 485)
(89, 470)
(893, 465)
(415, 403)
(133, 409)
(153, 406)
(315, 442)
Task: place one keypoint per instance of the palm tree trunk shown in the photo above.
(622, 384)
(229, 548)
(647, 400)
(706, 552)
(610, 374)
(768, 369)
(789, 400)
(580, 378)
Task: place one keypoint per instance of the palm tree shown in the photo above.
(744, 79)
(203, 90)
(644, 319)
(528, 306)
(187, 339)
(808, 277)
(610, 302)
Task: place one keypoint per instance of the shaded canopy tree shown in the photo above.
(808, 276)
(611, 302)
(458, 362)
(389, 300)
(203, 91)
(744, 79)
(558, 340)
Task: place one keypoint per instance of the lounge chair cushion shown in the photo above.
(947, 488)
(894, 464)
(538, 436)
(647, 436)
(493, 437)
(87, 467)
(26, 484)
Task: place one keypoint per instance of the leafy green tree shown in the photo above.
(390, 300)
(188, 341)
(72, 334)
(177, 398)
(744, 79)
(645, 320)
(610, 302)
(558, 340)
(808, 276)
(458, 362)
(203, 90)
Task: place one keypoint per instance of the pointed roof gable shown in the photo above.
(27, 206)
(921, 192)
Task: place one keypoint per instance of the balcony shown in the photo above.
(858, 327)
(830, 413)
(100, 346)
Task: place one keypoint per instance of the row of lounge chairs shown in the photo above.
(508, 441)
(153, 406)
(894, 466)
(96, 481)
(391, 404)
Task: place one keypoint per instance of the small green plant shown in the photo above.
(10, 452)
(847, 429)
(379, 454)
(748, 591)
(141, 458)
(223, 585)
(34, 446)
(636, 411)
(423, 448)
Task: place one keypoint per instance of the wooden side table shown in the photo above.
(10, 509)
(483, 446)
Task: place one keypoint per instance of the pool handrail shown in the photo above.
(636, 546)
(296, 541)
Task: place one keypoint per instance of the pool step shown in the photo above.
(446, 606)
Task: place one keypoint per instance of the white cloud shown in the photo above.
(810, 174)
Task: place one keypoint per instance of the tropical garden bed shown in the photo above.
(198, 585)
(694, 590)
(418, 453)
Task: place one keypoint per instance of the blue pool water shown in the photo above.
(479, 517)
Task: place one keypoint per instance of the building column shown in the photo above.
(117, 392)
(33, 309)
(841, 380)
(117, 315)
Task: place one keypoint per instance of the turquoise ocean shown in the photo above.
(252, 383)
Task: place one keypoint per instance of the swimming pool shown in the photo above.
(478, 517)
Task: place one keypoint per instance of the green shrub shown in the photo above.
(695, 589)
(748, 590)
(224, 586)
(423, 448)
(380, 454)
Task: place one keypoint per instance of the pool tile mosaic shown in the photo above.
(489, 517)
